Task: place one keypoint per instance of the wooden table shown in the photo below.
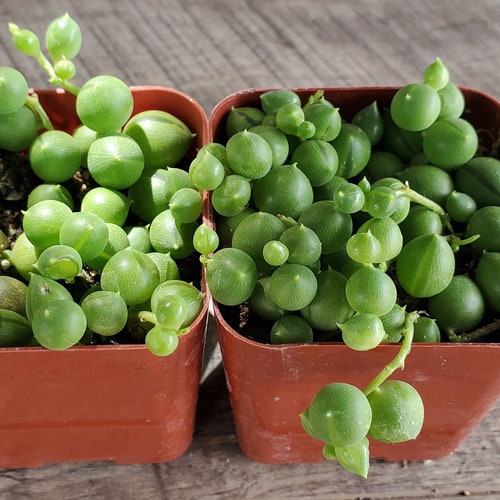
(209, 49)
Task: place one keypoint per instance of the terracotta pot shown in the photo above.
(270, 385)
(103, 402)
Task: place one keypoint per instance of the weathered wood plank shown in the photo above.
(212, 48)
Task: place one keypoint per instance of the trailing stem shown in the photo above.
(477, 335)
(34, 104)
(405, 190)
(399, 359)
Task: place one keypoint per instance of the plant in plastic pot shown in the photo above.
(97, 221)
(343, 219)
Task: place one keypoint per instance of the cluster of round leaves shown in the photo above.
(343, 417)
(133, 217)
(334, 225)
(21, 117)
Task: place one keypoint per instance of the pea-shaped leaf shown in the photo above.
(285, 190)
(415, 107)
(370, 120)
(86, 232)
(450, 142)
(15, 330)
(104, 103)
(19, 129)
(13, 90)
(42, 222)
(326, 118)
(115, 161)
(329, 306)
(187, 291)
(249, 155)
(353, 148)
(397, 412)
(59, 325)
(303, 244)
(425, 265)
(452, 101)
(206, 170)
(363, 332)
(291, 329)
(292, 286)
(426, 330)
(231, 275)
(163, 138)
(339, 415)
(253, 232)
(277, 141)
(170, 236)
(436, 74)
(63, 38)
(111, 205)
(332, 226)
(132, 274)
(232, 195)
(59, 262)
(274, 99)
(388, 233)
(355, 458)
(260, 302)
(459, 307)
(371, 290)
(42, 291)
(243, 118)
(486, 223)
(488, 278)
(152, 192)
(106, 312)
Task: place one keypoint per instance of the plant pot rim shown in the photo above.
(221, 106)
(143, 89)
(342, 88)
(229, 330)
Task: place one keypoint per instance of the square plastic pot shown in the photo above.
(103, 402)
(270, 385)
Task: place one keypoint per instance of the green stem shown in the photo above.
(66, 84)
(313, 99)
(477, 334)
(288, 221)
(383, 266)
(425, 202)
(455, 240)
(46, 65)
(399, 359)
(147, 316)
(53, 78)
(34, 104)
(204, 259)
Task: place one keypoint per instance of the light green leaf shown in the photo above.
(355, 458)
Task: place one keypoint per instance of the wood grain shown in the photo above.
(209, 49)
